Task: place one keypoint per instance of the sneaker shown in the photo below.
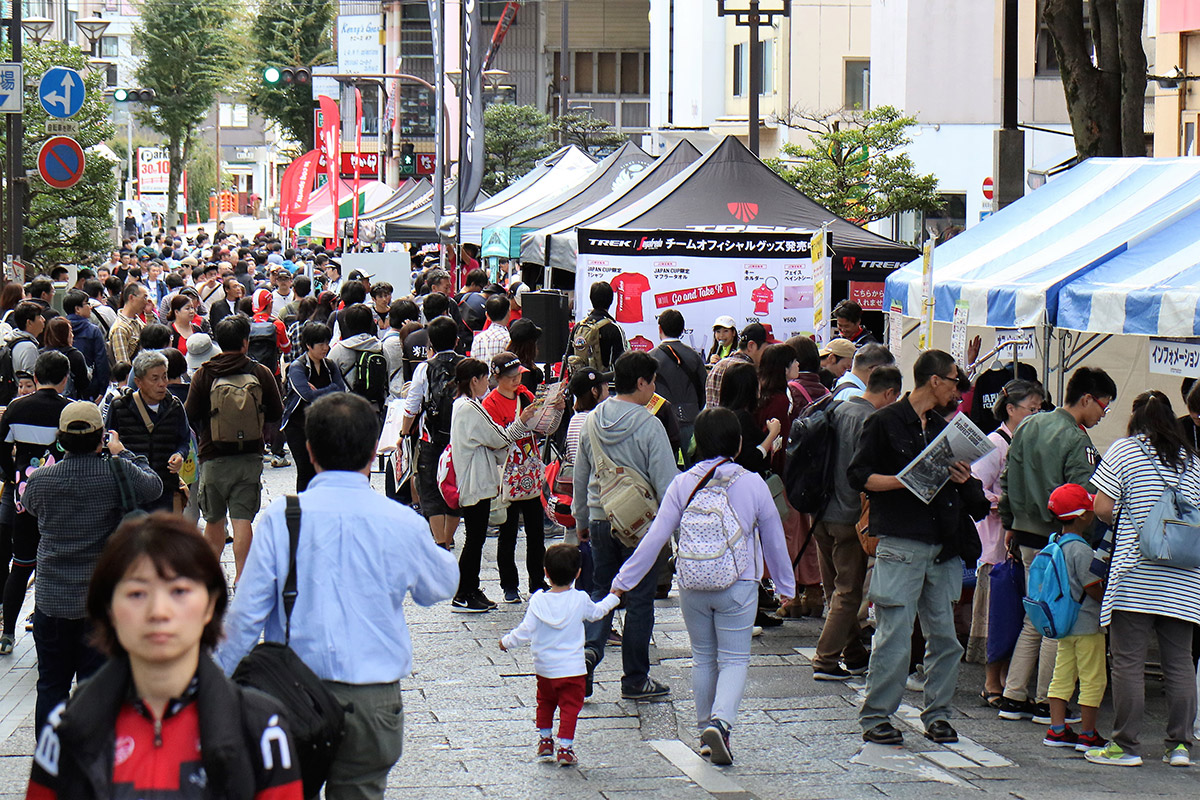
(649, 690)
(29, 623)
(1064, 738)
(545, 747)
(566, 757)
(834, 673)
(916, 681)
(614, 639)
(1113, 755)
(1090, 741)
(755, 631)
(1178, 757)
(1015, 709)
(716, 736)
(6, 645)
(857, 669)
(280, 461)
(483, 598)
(469, 605)
(705, 750)
(512, 596)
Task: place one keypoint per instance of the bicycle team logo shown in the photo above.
(744, 212)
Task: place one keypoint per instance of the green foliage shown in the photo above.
(514, 137)
(90, 202)
(595, 136)
(189, 56)
(855, 164)
(289, 33)
(202, 180)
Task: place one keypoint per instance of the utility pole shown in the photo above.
(16, 165)
(756, 75)
(564, 69)
(751, 14)
(1009, 164)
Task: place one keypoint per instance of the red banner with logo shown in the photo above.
(330, 138)
(296, 186)
(357, 162)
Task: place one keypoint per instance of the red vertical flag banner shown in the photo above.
(330, 136)
(296, 186)
(357, 160)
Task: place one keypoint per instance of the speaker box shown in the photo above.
(550, 310)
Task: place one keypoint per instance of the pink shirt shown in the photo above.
(987, 470)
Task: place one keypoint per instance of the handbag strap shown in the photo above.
(143, 412)
(128, 501)
(704, 481)
(292, 515)
(602, 459)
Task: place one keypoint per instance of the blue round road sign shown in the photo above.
(61, 92)
(60, 162)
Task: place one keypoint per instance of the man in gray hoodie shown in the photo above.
(630, 437)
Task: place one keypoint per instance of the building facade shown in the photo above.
(1177, 52)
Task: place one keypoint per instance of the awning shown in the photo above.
(1012, 267)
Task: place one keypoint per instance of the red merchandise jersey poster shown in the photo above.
(629, 288)
(762, 297)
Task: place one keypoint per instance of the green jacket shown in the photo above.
(1047, 451)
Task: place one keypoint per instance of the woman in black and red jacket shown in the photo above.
(156, 600)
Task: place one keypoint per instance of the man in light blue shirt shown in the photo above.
(867, 359)
(359, 555)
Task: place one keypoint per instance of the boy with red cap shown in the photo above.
(1081, 653)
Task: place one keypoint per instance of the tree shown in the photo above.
(1106, 96)
(289, 33)
(514, 137)
(188, 48)
(595, 136)
(855, 164)
(49, 237)
(202, 180)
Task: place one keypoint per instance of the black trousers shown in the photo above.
(535, 545)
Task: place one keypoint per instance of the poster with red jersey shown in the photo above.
(752, 277)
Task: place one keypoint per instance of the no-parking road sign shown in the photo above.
(60, 162)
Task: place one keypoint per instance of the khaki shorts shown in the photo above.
(231, 484)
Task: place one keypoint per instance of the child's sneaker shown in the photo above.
(545, 747)
(566, 757)
(1178, 757)
(1090, 741)
(1064, 738)
(1113, 755)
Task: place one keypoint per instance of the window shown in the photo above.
(1191, 120)
(110, 75)
(739, 70)
(108, 47)
(858, 84)
(768, 65)
(234, 115)
(491, 10)
(606, 73)
(582, 75)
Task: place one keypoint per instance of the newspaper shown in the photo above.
(547, 418)
(930, 470)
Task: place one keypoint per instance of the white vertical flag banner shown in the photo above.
(820, 268)
(925, 334)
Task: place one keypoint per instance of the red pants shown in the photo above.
(565, 694)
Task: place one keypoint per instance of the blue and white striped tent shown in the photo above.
(1012, 267)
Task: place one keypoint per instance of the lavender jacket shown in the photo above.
(751, 501)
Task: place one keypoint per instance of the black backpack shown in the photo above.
(316, 719)
(263, 346)
(439, 397)
(8, 376)
(369, 378)
(808, 476)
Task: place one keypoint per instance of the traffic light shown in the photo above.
(273, 76)
(408, 160)
(134, 95)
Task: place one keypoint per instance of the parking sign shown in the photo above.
(12, 91)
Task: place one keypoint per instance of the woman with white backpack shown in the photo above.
(726, 526)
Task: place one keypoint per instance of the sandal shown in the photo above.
(991, 699)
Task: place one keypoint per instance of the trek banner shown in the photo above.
(752, 277)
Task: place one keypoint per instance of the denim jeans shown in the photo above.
(608, 554)
(63, 654)
(907, 582)
(719, 625)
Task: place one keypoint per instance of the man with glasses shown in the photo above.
(1047, 451)
(918, 563)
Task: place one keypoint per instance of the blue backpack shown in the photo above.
(1049, 604)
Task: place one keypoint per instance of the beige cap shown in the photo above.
(189, 262)
(842, 348)
(80, 417)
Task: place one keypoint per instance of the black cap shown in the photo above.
(524, 330)
(587, 379)
(493, 288)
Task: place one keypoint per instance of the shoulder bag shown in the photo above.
(629, 502)
(316, 718)
(1171, 533)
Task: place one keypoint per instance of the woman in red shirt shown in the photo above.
(160, 718)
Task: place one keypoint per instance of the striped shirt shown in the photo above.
(1128, 475)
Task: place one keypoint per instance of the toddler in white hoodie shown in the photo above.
(553, 625)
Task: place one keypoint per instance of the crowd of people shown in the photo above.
(760, 477)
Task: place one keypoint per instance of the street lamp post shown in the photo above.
(752, 14)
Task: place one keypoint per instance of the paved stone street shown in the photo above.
(469, 719)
